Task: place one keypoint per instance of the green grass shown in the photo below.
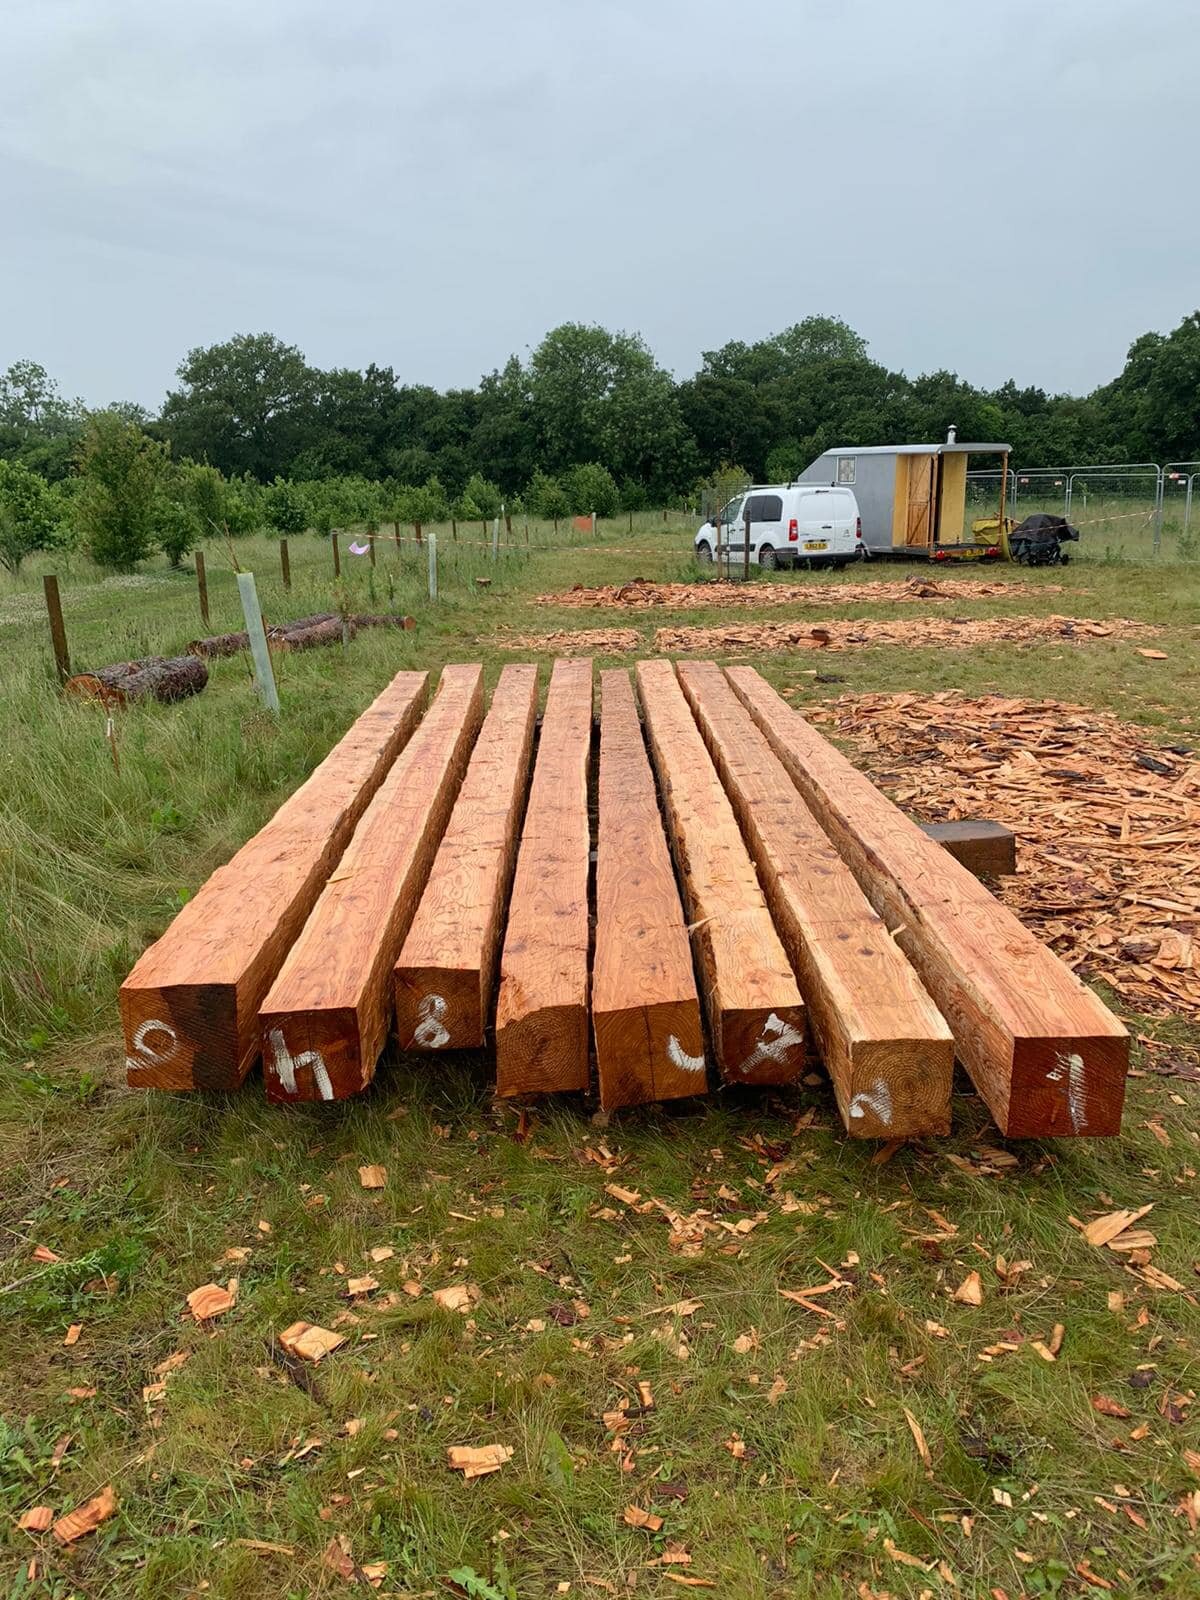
(142, 1195)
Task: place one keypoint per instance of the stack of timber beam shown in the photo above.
(752, 891)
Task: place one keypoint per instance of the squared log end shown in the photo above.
(439, 1008)
(184, 1036)
(315, 1055)
(650, 1053)
(899, 1089)
(543, 1052)
(1067, 1087)
(762, 1045)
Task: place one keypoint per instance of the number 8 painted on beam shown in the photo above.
(429, 1032)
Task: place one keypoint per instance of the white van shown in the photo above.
(790, 524)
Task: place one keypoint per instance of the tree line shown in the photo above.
(254, 435)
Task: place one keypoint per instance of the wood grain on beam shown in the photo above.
(756, 1015)
(888, 1051)
(645, 1010)
(190, 1005)
(1044, 1052)
(542, 1007)
(325, 1019)
(446, 972)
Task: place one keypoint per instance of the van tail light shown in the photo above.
(793, 531)
(858, 527)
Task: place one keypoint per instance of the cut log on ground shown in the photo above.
(645, 1010)
(1046, 1055)
(542, 1009)
(323, 627)
(325, 1019)
(886, 1048)
(988, 849)
(756, 1015)
(445, 976)
(155, 678)
(190, 1005)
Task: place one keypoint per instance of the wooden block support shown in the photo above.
(755, 1013)
(190, 1005)
(988, 849)
(645, 1010)
(541, 1011)
(888, 1051)
(325, 1019)
(1046, 1055)
(445, 976)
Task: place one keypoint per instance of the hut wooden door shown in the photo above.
(921, 497)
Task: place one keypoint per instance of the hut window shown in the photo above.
(846, 469)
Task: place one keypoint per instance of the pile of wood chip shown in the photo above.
(1107, 822)
(640, 593)
(915, 633)
(568, 642)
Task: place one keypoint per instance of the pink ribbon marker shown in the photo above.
(359, 549)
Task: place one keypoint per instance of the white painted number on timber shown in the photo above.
(778, 1037)
(1071, 1066)
(285, 1065)
(429, 1032)
(681, 1059)
(879, 1101)
(147, 1054)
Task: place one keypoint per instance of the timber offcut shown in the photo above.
(692, 892)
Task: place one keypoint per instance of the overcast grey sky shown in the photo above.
(1001, 189)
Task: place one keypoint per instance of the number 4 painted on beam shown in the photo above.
(284, 1065)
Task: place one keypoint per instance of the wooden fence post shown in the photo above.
(202, 585)
(371, 542)
(58, 632)
(285, 565)
(337, 556)
(433, 570)
(746, 545)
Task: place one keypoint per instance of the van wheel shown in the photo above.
(704, 553)
(767, 559)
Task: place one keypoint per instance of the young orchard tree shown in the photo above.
(28, 514)
(121, 470)
(286, 507)
(177, 528)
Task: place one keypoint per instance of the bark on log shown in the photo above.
(154, 678)
(323, 627)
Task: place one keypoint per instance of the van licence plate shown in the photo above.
(816, 544)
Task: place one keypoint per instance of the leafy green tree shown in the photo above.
(247, 405)
(243, 510)
(28, 514)
(589, 488)
(177, 528)
(204, 491)
(546, 496)
(120, 470)
(485, 495)
(286, 507)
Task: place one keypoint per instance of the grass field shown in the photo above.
(782, 1448)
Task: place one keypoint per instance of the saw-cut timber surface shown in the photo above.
(1046, 1055)
(446, 972)
(645, 1010)
(189, 1007)
(542, 1008)
(988, 849)
(756, 1015)
(887, 1050)
(325, 1018)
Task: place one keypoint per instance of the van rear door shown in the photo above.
(816, 523)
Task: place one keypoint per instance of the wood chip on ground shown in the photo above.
(1107, 822)
(571, 642)
(913, 633)
(641, 593)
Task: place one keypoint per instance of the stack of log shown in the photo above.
(757, 900)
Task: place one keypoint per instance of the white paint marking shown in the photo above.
(778, 1037)
(284, 1065)
(681, 1059)
(429, 1032)
(149, 1056)
(879, 1101)
(1071, 1067)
